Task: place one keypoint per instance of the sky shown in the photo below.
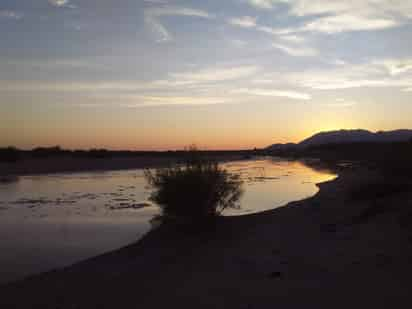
(235, 74)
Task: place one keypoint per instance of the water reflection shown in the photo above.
(271, 183)
(51, 221)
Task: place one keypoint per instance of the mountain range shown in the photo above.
(346, 136)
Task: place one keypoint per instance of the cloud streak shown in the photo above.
(62, 4)
(335, 16)
(341, 103)
(261, 4)
(296, 51)
(217, 74)
(396, 66)
(7, 14)
(175, 80)
(348, 22)
(146, 101)
(273, 93)
(152, 19)
(373, 74)
(243, 22)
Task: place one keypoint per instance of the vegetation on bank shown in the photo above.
(360, 151)
(9, 154)
(12, 154)
(197, 190)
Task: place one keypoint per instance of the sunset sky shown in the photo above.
(162, 74)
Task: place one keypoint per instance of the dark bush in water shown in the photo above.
(196, 190)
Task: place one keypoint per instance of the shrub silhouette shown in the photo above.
(197, 190)
(9, 154)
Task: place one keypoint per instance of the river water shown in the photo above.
(51, 221)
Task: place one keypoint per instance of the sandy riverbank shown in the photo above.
(345, 247)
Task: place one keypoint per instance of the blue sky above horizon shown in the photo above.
(162, 74)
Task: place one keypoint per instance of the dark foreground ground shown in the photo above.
(350, 246)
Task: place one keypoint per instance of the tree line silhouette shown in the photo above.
(13, 154)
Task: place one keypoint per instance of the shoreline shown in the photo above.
(251, 261)
(58, 165)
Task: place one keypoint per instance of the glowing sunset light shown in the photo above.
(161, 75)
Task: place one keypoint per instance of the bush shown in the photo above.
(47, 152)
(198, 189)
(9, 154)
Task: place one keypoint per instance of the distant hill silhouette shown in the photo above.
(346, 137)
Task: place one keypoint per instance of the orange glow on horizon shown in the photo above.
(124, 132)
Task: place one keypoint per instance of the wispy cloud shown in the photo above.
(54, 64)
(62, 4)
(273, 93)
(373, 74)
(155, 1)
(287, 41)
(244, 21)
(396, 66)
(182, 80)
(263, 81)
(7, 14)
(217, 74)
(153, 14)
(338, 62)
(334, 16)
(334, 84)
(371, 8)
(348, 22)
(144, 101)
(276, 31)
(341, 103)
(292, 38)
(261, 4)
(239, 43)
(90, 86)
(140, 101)
(296, 51)
(383, 73)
